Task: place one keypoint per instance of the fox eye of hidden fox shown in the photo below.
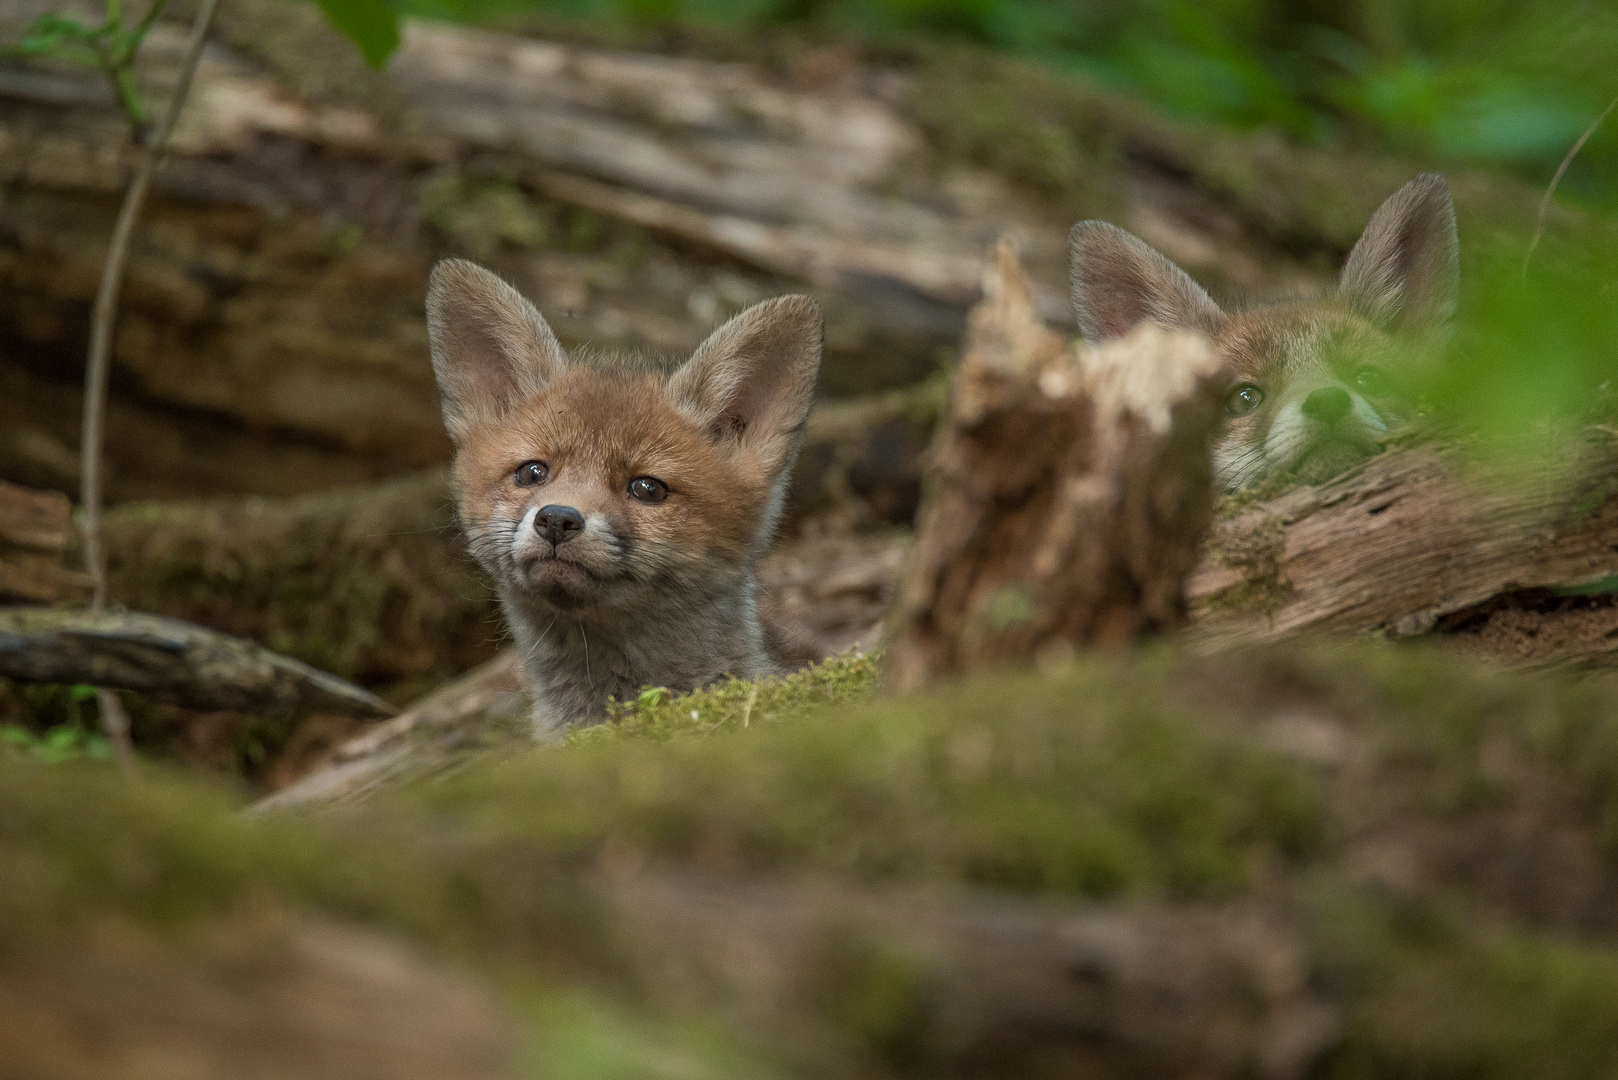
(1244, 399)
(1373, 381)
(648, 489)
(530, 473)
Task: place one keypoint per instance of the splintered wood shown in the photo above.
(35, 527)
(1069, 494)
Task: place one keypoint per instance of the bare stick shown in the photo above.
(98, 366)
(1545, 203)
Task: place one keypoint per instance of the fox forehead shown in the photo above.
(1286, 341)
(605, 421)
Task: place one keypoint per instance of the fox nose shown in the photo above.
(558, 523)
(1329, 404)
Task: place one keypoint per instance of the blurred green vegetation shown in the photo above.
(1468, 87)
(1149, 775)
(1500, 83)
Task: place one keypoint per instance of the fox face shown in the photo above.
(619, 506)
(1314, 385)
(598, 494)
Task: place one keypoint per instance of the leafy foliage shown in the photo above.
(111, 47)
(372, 25)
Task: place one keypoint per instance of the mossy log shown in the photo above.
(35, 529)
(169, 660)
(1362, 861)
(1068, 494)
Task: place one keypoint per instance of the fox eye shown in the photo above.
(531, 473)
(1372, 381)
(1244, 399)
(648, 489)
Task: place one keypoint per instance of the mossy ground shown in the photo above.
(1139, 776)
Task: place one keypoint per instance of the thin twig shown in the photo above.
(98, 366)
(1545, 203)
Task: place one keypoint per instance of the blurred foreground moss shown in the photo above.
(1265, 778)
(1095, 783)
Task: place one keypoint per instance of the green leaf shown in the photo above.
(50, 34)
(371, 24)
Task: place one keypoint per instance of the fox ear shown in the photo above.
(1118, 282)
(1402, 274)
(752, 381)
(491, 347)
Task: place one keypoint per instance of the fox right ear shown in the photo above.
(1402, 273)
(1117, 282)
(491, 348)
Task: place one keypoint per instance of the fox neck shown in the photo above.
(687, 640)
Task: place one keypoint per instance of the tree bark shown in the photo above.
(1425, 539)
(1069, 494)
(35, 529)
(169, 660)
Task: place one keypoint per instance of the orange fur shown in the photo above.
(637, 586)
(1314, 385)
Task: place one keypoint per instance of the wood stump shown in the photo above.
(1069, 493)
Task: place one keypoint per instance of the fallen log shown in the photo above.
(35, 527)
(169, 660)
(1425, 539)
(1068, 494)
(481, 708)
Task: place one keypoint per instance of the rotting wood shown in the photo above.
(1068, 495)
(1412, 536)
(486, 704)
(35, 528)
(170, 660)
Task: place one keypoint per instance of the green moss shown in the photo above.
(1128, 776)
(736, 703)
(484, 215)
(370, 584)
(1248, 498)
(1437, 995)
(1252, 544)
(1044, 131)
(1444, 714)
(579, 1034)
(873, 992)
(1095, 783)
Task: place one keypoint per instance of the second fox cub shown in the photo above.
(1314, 383)
(619, 508)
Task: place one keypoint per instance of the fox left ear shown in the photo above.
(1403, 272)
(753, 380)
(491, 348)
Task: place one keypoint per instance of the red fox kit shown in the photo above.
(1314, 383)
(619, 509)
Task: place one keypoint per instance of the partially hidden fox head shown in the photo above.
(597, 487)
(1314, 384)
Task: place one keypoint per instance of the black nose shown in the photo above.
(558, 523)
(1329, 404)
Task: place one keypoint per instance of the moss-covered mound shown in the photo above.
(1353, 861)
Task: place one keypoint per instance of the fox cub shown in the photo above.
(619, 509)
(1314, 383)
